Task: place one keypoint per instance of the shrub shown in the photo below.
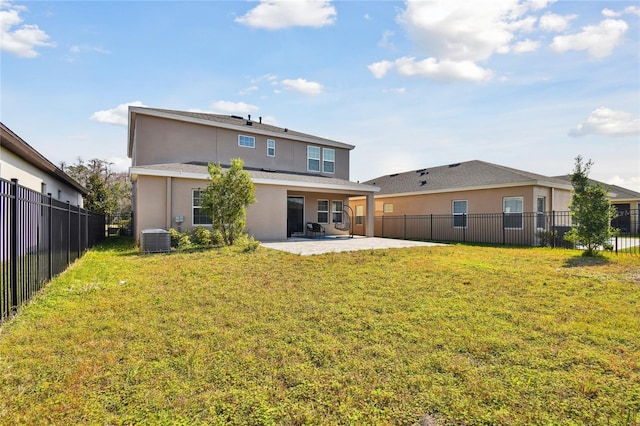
(202, 237)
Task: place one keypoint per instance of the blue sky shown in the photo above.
(412, 84)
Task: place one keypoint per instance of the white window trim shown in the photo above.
(319, 159)
(193, 207)
(387, 210)
(504, 201)
(337, 211)
(249, 137)
(324, 150)
(466, 212)
(274, 147)
(323, 211)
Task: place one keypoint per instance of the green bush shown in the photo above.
(201, 236)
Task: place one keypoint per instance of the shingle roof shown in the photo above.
(459, 176)
(615, 192)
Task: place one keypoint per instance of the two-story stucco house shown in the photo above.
(299, 178)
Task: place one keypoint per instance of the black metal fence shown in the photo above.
(518, 229)
(40, 237)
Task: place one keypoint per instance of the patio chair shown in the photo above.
(314, 230)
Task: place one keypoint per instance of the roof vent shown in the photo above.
(423, 182)
(286, 130)
(249, 123)
(260, 119)
(237, 117)
(420, 171)
(393, 175)
(454, 165)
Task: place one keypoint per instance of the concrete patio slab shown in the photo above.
(308, 247)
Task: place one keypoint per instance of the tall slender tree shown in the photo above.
(591, 211)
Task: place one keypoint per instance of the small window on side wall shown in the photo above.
(387, 208)
(271, 148)
(459, 210)
(359, 215)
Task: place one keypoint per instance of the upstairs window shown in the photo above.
(328, 160)
(271, 148)
(246, 141)
(313, 159)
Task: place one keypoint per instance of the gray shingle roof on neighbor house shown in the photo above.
(461, 176)
(615, 192)
(197, 170)
(237, 122)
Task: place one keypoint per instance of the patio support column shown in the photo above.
(168, 214)
(369, 229)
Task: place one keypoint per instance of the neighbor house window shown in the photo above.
(336, 211)
(359, 215)
(459, 210)
(246, 141)
(271, 148)
(199, 216)
(323, 211)
(540, 205)
(328, 160)
(313, 158)
(513, 209)
(387, 208)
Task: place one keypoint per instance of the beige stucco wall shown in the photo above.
(159, 200)
(161, 141)
(478, 201)
(30, 176)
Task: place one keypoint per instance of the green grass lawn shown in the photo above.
(454, 335)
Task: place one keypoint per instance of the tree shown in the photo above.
(591, 211)
(226, 198)
(108, 192)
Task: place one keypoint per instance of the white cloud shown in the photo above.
(119, 164)
(21, 41)
(118, 115)
(444, 70)
(599, 40)
(610, 13)
(399, 90)
(303, 86)
(379, 69)
(384, 41)
(277, 14)
(526, 46)
(455, 35)
(608, 122)
(248, 90)
(75, 52)
(631, 182)
(228, 107)
(632, 10)
(555, 23)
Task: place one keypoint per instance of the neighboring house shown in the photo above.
(626, 202)
(298, 178)
(470, 188)
(18, 160)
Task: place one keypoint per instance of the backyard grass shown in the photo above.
(430, 335)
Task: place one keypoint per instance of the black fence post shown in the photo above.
(13, 244)
(404, 231)
(68, 233)
(504, 229)
(79, 232)
(50, 232)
